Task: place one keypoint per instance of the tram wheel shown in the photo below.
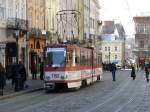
(84, 83)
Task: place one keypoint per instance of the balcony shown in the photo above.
(137, 49)
(142, 36)
(38, 33)
(16, 23)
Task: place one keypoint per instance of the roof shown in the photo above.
(110, 28)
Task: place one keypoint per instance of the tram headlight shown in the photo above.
(65, 76)
(47, 78)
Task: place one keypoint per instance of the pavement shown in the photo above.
(33, 85)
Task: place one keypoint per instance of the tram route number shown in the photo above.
(55, 76)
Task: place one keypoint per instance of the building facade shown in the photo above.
(142, 39)
(94, 20)
(36, 31)
(51, 9)
(2, 30)
(112, 52)
(113, 43)
(73, 19)
(12, 18)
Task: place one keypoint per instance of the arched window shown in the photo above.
(38, 45)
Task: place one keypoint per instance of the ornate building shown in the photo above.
(36, 33)
(142, 39)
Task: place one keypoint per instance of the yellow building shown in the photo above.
(72, 19)
(37, 32)
(51, 9)
(112, 52)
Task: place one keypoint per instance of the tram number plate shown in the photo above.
(55, 76)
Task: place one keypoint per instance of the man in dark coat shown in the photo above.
(113, 70)
(22, 72)
(19, 76)
(34, 71)
(41, 70)
(147, 72)
(133, 75)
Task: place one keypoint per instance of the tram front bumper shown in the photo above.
(49, 86)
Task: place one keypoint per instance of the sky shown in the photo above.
(123, 11)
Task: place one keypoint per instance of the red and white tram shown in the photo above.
(70, 66)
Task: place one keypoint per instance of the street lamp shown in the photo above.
(17, 38)
(17, 31)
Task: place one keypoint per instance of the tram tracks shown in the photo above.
(122, 98)
(70, 100)
(77, 100)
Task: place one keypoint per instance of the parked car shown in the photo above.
(118, 66)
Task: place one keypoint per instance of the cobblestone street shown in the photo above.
(124, 95)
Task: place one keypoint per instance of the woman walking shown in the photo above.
(133, 75)
(2, 79)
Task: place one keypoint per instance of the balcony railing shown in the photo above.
(16, 23)
(36, 32)
(141, 49)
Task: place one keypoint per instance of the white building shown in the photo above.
(113, 43)
(94, 19)
(112, 52)
(9, 9)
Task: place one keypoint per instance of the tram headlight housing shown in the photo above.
(47, 78)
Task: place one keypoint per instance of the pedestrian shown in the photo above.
(2, 79)
(22, 72)
(133, 75)
(34, 72)
(113, 70)
(147, 73)
(41, 70)
(16, 77)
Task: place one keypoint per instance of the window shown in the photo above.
(108, 48)
(2, 13)
(141, 44)
(141, 28)
(106, 57)
(116, 57)
(55, 57)
(115, 48)
(105, 48)
(38, 45)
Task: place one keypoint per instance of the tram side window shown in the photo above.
(69, 58)
(89, 58)
(82, 58)
(77, 58)
(86, 55)
(99, 60)
(95, 60)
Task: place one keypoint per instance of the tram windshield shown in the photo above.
(55, 57)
